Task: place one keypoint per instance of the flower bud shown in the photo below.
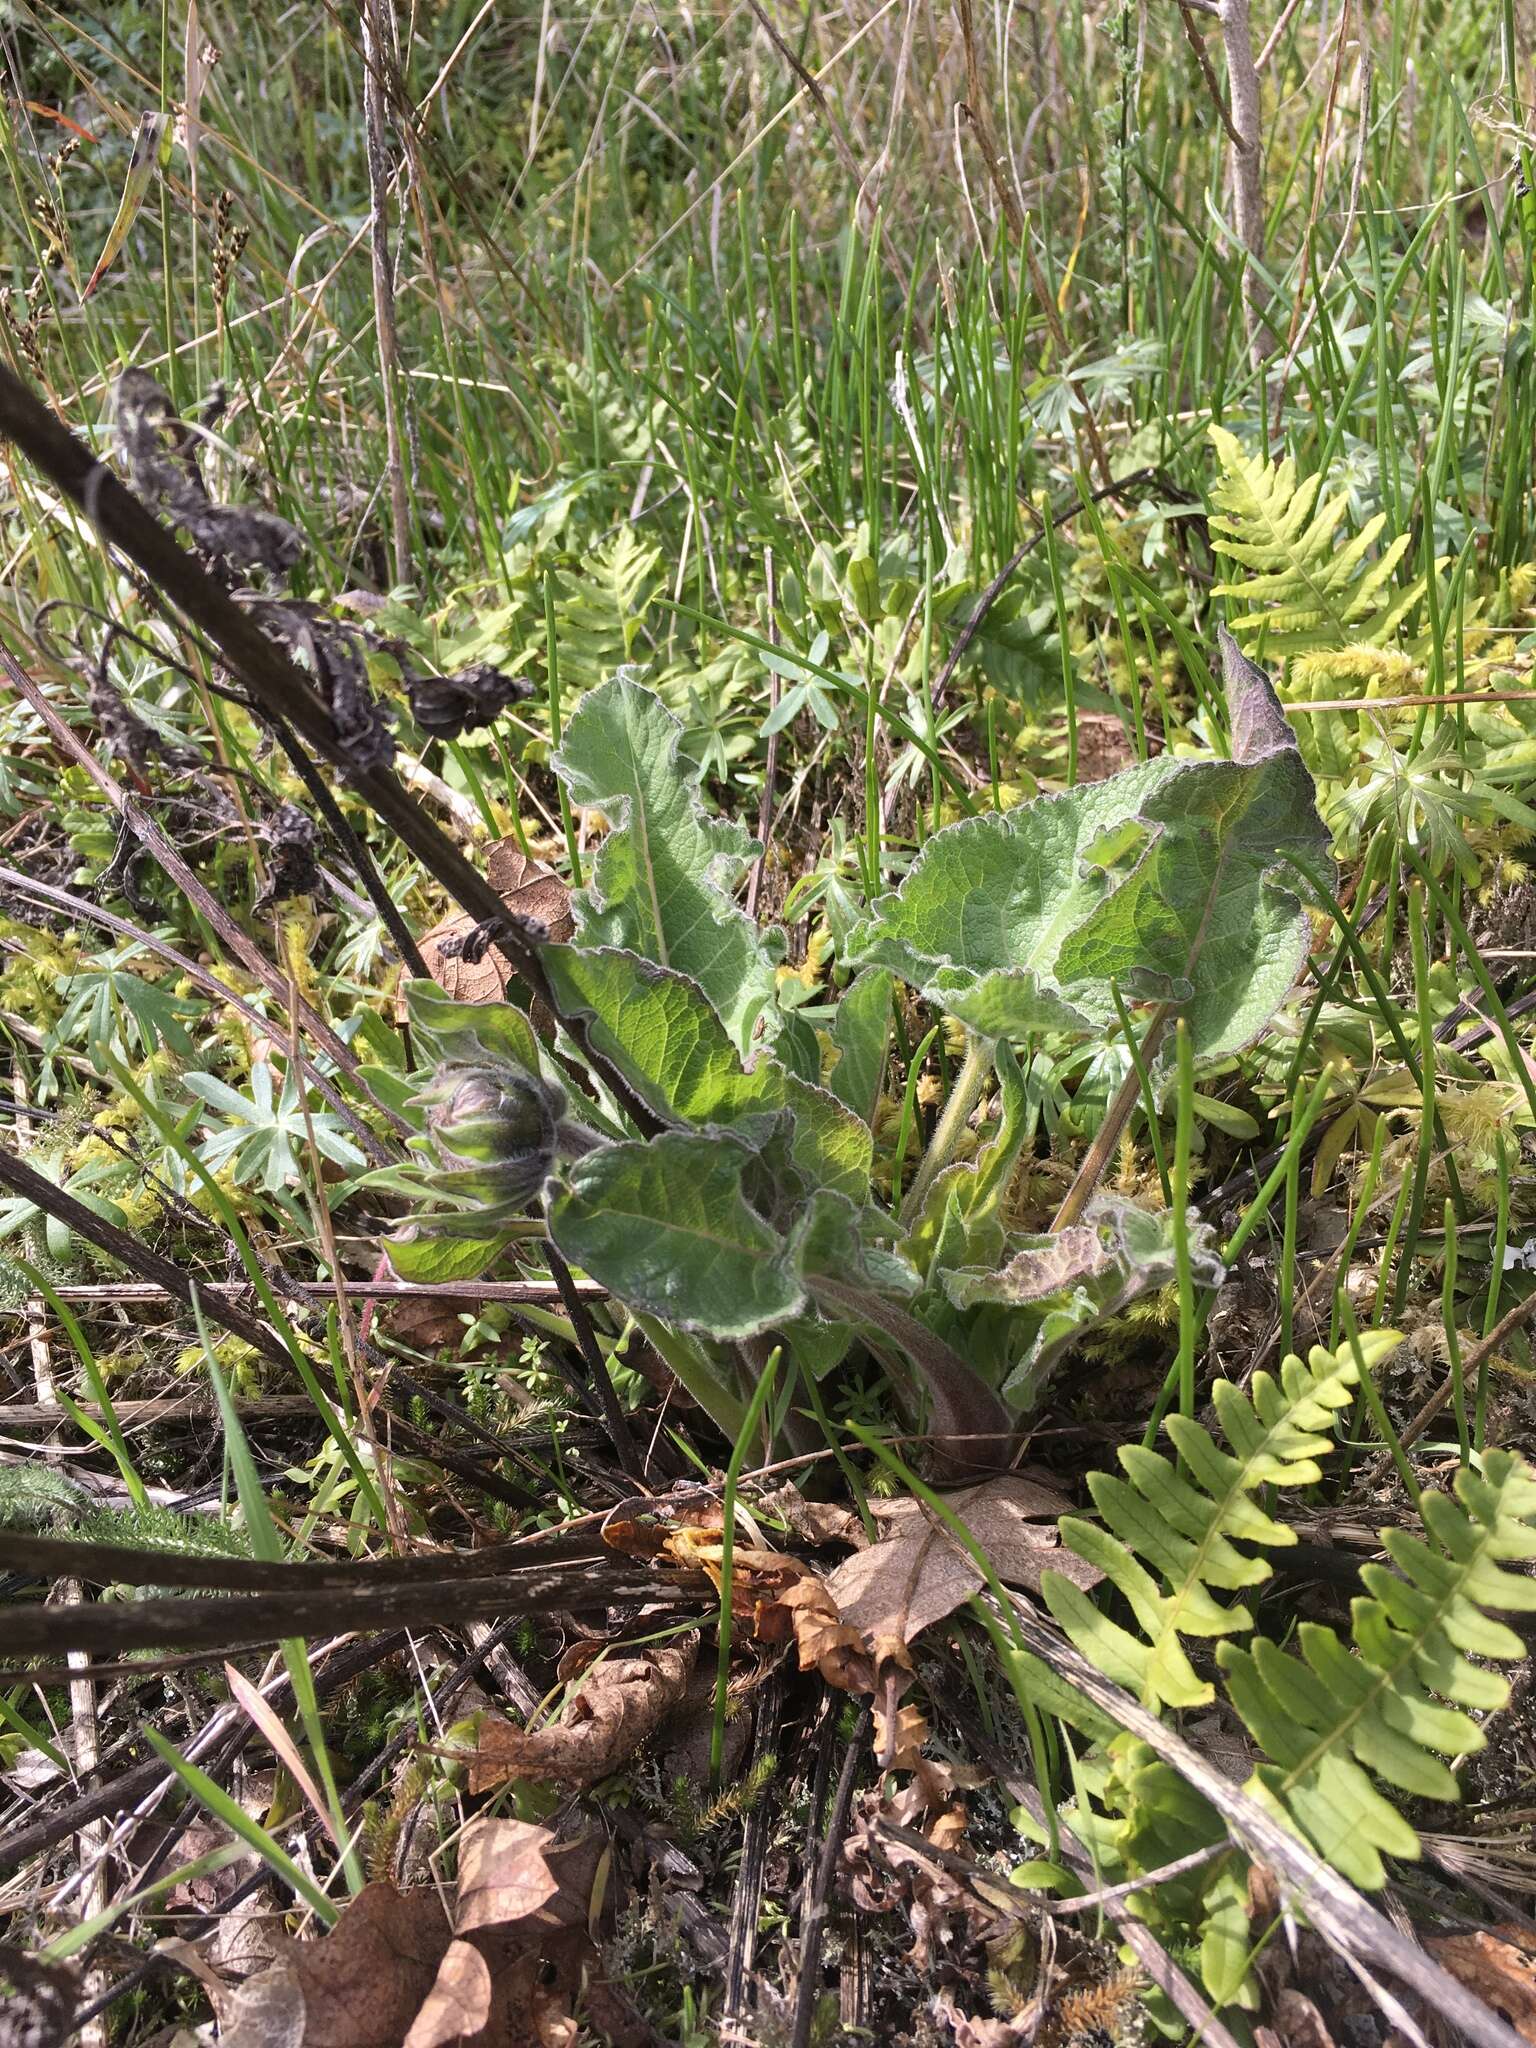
(494, 1128)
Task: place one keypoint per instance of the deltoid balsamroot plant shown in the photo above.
(1340, 1729)
(747, 1209)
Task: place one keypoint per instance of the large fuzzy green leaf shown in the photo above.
(979, 922)
(661, 880)
(1209, 908)
(1170, 879)
(664, 1034)
(666, 1227)
(860, 1032)
(660, 1029)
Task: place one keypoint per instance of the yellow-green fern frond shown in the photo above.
(1300, 588)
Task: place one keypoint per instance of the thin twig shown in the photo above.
(813, 1931)
(376, 54)
(1475, 1359)
(1247, 125)
(82, 910)
(154, 842)
(976, 616)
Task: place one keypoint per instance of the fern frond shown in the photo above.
(1332, 1721)
(600, 607)
(1181, 1523)
(1302, 589)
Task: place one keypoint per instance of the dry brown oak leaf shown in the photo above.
(917, 1573)
(358, 1986)
(617, 1706)
(529, 888)
(511, 1976)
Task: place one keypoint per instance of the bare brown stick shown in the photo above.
(276, 685)
(531, 1293)
(159, 1408)
(1344, 1919)
(818, 1905)
(994, 590)
(154, 841)
(1196, 43)
(1116, 1117)
(377, 57)
(111, 1629)
(1471, 1365)
(812, 86)
(1247, 168)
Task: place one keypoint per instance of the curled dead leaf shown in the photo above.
(918, 1572)
(526, 886)
(824, 1641)
(617, 1706)
(813, 1521)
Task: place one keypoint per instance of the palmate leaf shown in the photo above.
(1170, 879)
(1167, 1535)
(661, 880)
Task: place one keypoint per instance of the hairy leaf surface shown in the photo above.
(666, 1227)
(661, 879)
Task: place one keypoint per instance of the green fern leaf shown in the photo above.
(1182, 1523)
(1301, 589)
(1331, 1720)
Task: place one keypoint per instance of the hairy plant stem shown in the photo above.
(1247, 128)
(963, 1098)
(964, 1412)
(1116, 1117)
(377, 53)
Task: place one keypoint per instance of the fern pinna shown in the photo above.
(1333, 1721)
(1300, 587)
